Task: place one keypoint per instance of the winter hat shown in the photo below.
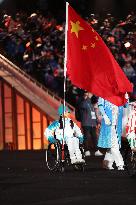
(62, 109)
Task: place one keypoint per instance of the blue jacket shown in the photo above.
(87, 113)
(105, 135)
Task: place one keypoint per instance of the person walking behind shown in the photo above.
(87, 112)
(111, 132)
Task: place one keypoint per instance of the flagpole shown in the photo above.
(65, 57)
(65, 70)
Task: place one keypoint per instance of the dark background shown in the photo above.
(119, 8)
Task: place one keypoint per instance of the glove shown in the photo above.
(107, 120)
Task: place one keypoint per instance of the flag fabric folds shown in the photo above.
(90, 64)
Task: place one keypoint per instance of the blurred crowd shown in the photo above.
(35, 42)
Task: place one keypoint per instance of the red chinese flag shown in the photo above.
(90, 64)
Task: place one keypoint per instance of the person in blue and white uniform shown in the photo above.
(65, 129)
(111, 132)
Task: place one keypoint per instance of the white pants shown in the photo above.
(113, 154)
(73, 147)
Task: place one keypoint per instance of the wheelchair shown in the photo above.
(57, 158)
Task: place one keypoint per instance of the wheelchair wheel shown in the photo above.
(53, 156)
(61, 168)
(131, 163)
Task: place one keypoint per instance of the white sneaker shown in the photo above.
(98, 153)
(80, 161)
(77, 161)
(121, 167)
(88, 153)
(73, 160)
(110, 168)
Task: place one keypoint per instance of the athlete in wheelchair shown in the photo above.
(65, 143)
(130, 149)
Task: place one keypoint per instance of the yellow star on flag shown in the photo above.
(76, 28)
(84, 47)
(93, 45)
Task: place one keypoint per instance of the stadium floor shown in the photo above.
(24, 180)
